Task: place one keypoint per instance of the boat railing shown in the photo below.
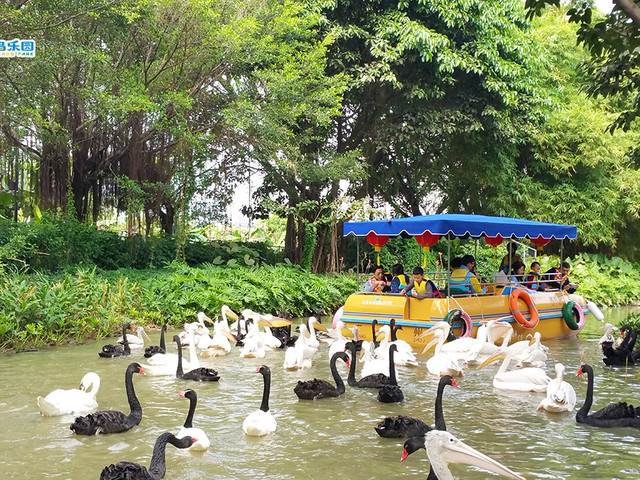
(493, 284)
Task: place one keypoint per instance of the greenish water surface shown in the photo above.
(330, 438)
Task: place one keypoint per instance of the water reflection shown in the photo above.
(322, 439)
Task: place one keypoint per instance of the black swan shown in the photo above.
(153, 349)
(157, 468)
(112, 421)
(260, 422)
(188, 430)
(623, 355)
(391, 392)
(200, 374)
(314, 389)
(618, 414)
(407, 427)
(110, 351)
(376, 380)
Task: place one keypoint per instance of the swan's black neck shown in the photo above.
(179, 371)
(392, 327)
(334, 370)
(162, 344)
(439, 415)
(376, 343)
(583, 413)
(266, 373)
(158, 466)
(193, 400)
(134, 403)
(392, 366)
(125, 340)
(351, 379)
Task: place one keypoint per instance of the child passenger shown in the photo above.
(419, 287)
(399, 279)
(533, 278)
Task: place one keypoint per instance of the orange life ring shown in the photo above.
(515, 311)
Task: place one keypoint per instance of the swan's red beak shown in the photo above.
(140, 370)
(454, 383)
(181, 394)
(580, 372)
(257, 369)
(404, 455)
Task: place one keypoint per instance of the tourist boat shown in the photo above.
(553, 313)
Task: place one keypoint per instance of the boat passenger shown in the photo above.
(509, 259)
(560, 278)
(377, 281)
(517, 274)
(419, 287)
(464, 278)
(399, 280)
(533, 278)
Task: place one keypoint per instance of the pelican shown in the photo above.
(135, 341)
(220, 343)
(441, 363)
(341, 335)
(300, 355)
(404, 354)
(477, 350)
(443, 448)
(314, 325)
(372, 364)
(561, 397)
(608, 336)
(534, 356)
(528, 379)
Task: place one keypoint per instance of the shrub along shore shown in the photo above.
(39, 310)
(47, 309)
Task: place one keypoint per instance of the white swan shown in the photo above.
(404, 354)
(529, 379)
(164, 364)
(341, 335)
(75, 400)
(561, 396)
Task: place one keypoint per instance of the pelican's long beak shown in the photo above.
(347, 333)
(207, 319)
(319, 326)
(230, 313)
(263, 322)
(457, 451)
(280, 322)
(380, 336)
(230, 336)
(496, 356)
(431, 331)
(144, 334)
(433, 341)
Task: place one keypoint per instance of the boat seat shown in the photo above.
(456, 291)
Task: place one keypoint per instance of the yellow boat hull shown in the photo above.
(416, 316)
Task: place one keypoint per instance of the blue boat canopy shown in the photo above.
(462, 225)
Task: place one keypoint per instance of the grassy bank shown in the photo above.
(38, 310)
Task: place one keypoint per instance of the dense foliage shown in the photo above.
(37, 310)
(58, 243)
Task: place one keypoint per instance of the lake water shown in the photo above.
(322, 439)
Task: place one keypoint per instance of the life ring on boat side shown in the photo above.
(572, 311)
(515, 311)
(457, 314)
